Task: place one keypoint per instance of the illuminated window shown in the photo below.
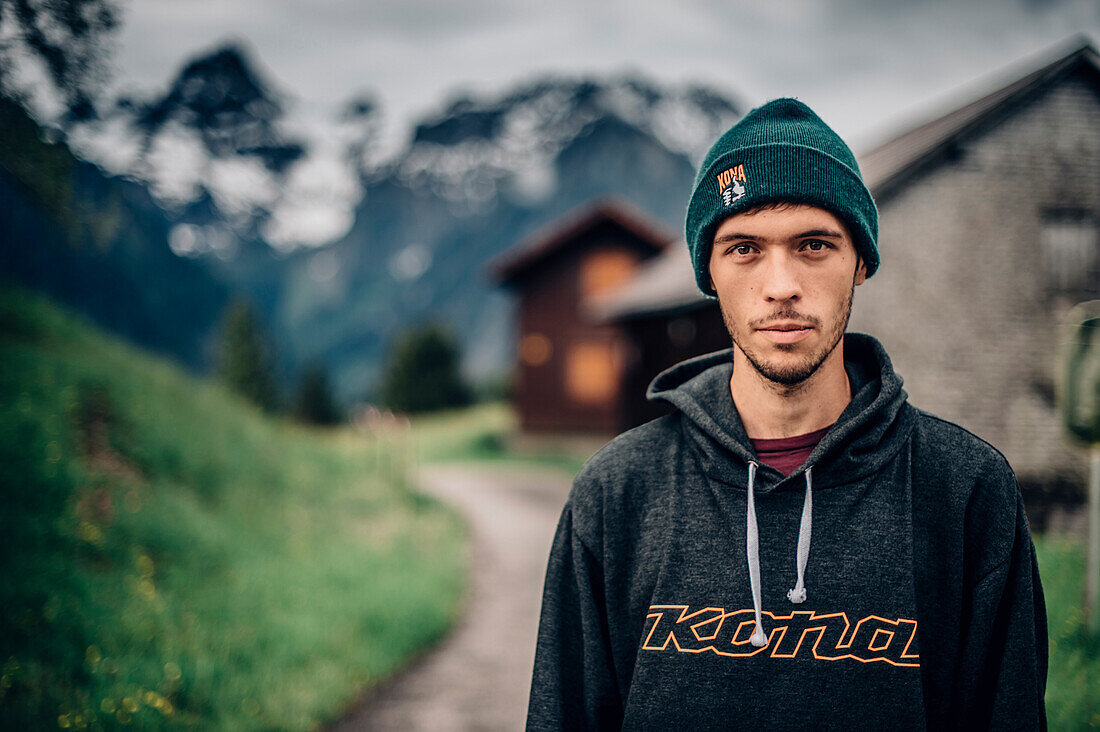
(606, 271)
(535, 349)
(591, 372)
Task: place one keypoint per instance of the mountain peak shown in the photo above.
(220, 96)
(222, 131)
(477, 145)
(631, 97)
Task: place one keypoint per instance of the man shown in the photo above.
(795, 547)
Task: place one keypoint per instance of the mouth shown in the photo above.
(785, 332)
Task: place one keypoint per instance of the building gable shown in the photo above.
(606, 218)
(895, 163)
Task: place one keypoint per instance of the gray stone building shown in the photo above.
(989, 233)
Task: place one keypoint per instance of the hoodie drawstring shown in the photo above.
(752, 548)
(798, 594)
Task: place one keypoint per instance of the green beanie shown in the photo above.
(780, 152)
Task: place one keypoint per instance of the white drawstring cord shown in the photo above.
(752, 550)
(752, 547)
(798, 594)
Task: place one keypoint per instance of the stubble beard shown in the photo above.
(794, 374)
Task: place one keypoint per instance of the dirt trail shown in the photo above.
(478, 678)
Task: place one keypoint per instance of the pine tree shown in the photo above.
(422, 374)
(313, 402)
(246, 364)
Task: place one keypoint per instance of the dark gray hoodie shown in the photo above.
(922, 605)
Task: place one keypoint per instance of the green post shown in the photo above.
(1092, 568)
(1080, 407)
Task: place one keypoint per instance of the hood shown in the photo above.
(868, 433)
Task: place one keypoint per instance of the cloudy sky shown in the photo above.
(867, 66)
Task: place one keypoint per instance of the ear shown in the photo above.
(861, 272)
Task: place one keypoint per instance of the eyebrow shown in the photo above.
(735, 236)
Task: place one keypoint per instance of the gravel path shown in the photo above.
(478, 678)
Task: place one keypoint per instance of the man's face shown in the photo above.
(785, 279)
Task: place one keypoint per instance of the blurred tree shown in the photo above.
(498, 388)
(245, 362)
(1080, 406)
(69, 38)
(313, 402)
(422, 372)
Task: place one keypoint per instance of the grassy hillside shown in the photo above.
(98, 243)
(171, 558)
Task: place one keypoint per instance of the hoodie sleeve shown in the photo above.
(1004, 655)
(573, 686)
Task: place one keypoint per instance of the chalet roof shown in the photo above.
(883, 167)
(664, 284)
(533, 249)
(889, 163)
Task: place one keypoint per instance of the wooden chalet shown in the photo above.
(666, 319)
(572, 365)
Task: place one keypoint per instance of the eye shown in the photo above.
(817, 245)
(741, 250)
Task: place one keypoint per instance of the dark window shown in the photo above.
(1071, 251)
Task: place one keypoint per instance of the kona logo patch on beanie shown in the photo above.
(731, 184)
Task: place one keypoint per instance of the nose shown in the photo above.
(781, 281)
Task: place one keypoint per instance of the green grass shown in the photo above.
(171, 558)
(483, 433)
(1073, 682)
